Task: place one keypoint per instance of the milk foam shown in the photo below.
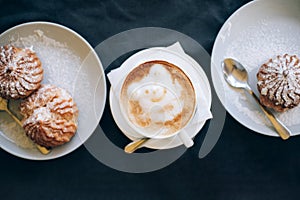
(159, 97)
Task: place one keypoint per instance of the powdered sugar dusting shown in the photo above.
(60, 64)
(254, 46)
(50, 116)
(21, 72)
(61, 67)
(278, 82)
(13, 132)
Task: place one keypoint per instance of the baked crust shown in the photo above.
(21, 72)
(50, 116)
(279, 82)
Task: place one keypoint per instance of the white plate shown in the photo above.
(199, 79)
(256, 32)
(87, 85)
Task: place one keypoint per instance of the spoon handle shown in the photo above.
(14, 117)
(131, 147)
(281, 129)
(42, 149)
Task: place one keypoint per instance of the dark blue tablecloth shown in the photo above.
(243, 165)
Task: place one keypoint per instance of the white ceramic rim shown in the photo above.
(49, 156)
(134, 57)
(219, 38)
(168, 142)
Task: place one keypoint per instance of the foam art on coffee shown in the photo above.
(158, 98)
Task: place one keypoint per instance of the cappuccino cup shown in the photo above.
(158, 100)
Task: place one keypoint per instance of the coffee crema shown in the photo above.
(158, 98)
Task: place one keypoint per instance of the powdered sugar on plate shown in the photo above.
(254, 46)
(14, 133)
(61, 67)
(60, 64)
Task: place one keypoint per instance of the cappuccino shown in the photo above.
(158, 99)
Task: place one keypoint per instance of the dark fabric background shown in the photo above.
(243, 165)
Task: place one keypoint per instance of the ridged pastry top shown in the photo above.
(279, 82)
(50, 116)
(21, 72)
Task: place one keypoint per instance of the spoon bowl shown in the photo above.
(3, 104)
(235, 74)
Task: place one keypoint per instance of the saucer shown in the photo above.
(199, 80)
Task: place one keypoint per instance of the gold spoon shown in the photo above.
(131, 147)
(4, 107)
(236, 76)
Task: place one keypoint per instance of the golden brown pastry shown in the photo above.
(50, 116)
(21, 72)
(279, 82)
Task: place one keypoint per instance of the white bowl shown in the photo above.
(255, 33)
(88, 85)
